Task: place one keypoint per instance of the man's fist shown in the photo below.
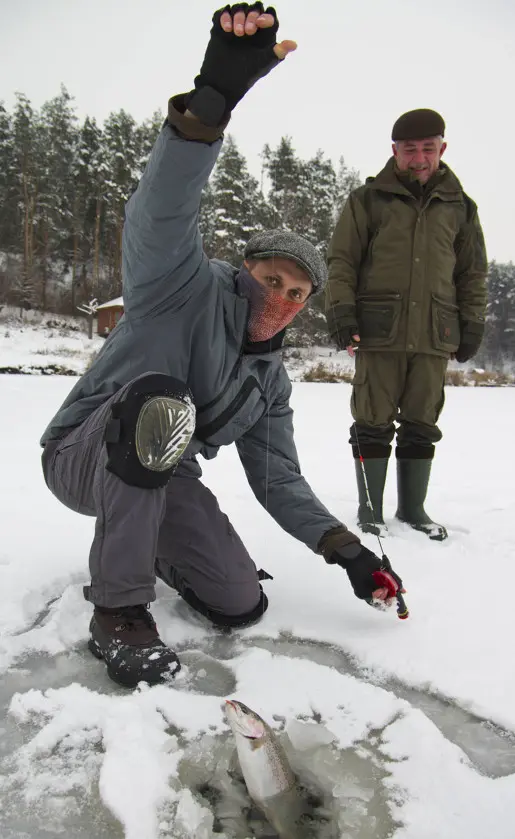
(243, 19)
(242, 49)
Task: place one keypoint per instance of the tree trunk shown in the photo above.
(44, 266)
(75, 252)
(96, 251)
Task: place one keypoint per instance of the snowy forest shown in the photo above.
(64, 184)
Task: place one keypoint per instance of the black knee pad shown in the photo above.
(227, 622)
(149, 430)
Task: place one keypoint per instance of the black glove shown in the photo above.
(360, 564)
(343, 337)
(342, 324)
(231, 66)
(471, 337)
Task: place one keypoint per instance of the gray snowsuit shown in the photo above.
(183, 317)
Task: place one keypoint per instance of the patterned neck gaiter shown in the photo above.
(269, 312)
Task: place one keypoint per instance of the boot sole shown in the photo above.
(97, 652)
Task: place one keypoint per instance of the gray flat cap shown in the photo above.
(270, 243)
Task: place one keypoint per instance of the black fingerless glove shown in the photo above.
(231, 66)
(344, 339)
(342, 324)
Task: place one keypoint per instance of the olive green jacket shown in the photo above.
(407, 265)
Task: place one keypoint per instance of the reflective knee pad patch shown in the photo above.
(149, 431)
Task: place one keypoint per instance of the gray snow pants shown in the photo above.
(177, 531)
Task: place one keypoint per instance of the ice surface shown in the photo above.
(421, 712)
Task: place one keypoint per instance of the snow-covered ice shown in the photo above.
(422, 711)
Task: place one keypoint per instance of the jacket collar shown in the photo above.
(443, 184)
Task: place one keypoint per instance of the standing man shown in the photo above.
(194, 364)
(407, 269)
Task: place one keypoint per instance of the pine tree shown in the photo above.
(499, 342)
(89, 176)
(122, 156)
(346, 180)
(8, 203)
(322, 192)
(286, 176)
(235, 204)
(56, 202)
(25, 191)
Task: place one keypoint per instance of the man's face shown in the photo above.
(283, 276)
(421, 157)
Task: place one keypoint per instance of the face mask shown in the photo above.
(269, 312)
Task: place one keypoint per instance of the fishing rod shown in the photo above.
(382, 578)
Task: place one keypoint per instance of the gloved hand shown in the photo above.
(471, 337)
(342, 324)
(347, 336)
(242, 49)
(366, 572)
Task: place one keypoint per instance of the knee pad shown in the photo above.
(149, 430)
(227, 622)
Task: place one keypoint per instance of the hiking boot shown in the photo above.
(371, 520)
(412, 483)
(126, 638)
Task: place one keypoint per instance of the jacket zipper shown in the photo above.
(232, 374)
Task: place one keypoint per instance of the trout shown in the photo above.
(270, 781)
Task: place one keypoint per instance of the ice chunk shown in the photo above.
(192, 818)
(308, 735)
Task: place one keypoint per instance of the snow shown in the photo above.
(27, 344)
(80, 745)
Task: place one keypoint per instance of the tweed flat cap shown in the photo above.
(417, 125)
(270, 243)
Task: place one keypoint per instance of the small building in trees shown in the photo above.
(108, 315)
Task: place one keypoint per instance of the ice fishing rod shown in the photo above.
(382, 578)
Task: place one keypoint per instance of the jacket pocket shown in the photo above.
(445, 324)
(378, 317)
(236, 418)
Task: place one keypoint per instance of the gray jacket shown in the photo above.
(184, 318)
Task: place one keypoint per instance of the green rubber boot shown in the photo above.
(371, 521)
(412, 483)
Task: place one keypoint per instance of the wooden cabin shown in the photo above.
(108, 315)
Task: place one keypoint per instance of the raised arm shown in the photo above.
(162, 247)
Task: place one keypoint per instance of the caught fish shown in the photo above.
(270, 781)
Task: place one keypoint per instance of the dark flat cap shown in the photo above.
(270, 243)
(418, 124)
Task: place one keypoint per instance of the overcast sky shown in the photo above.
(358, 66)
